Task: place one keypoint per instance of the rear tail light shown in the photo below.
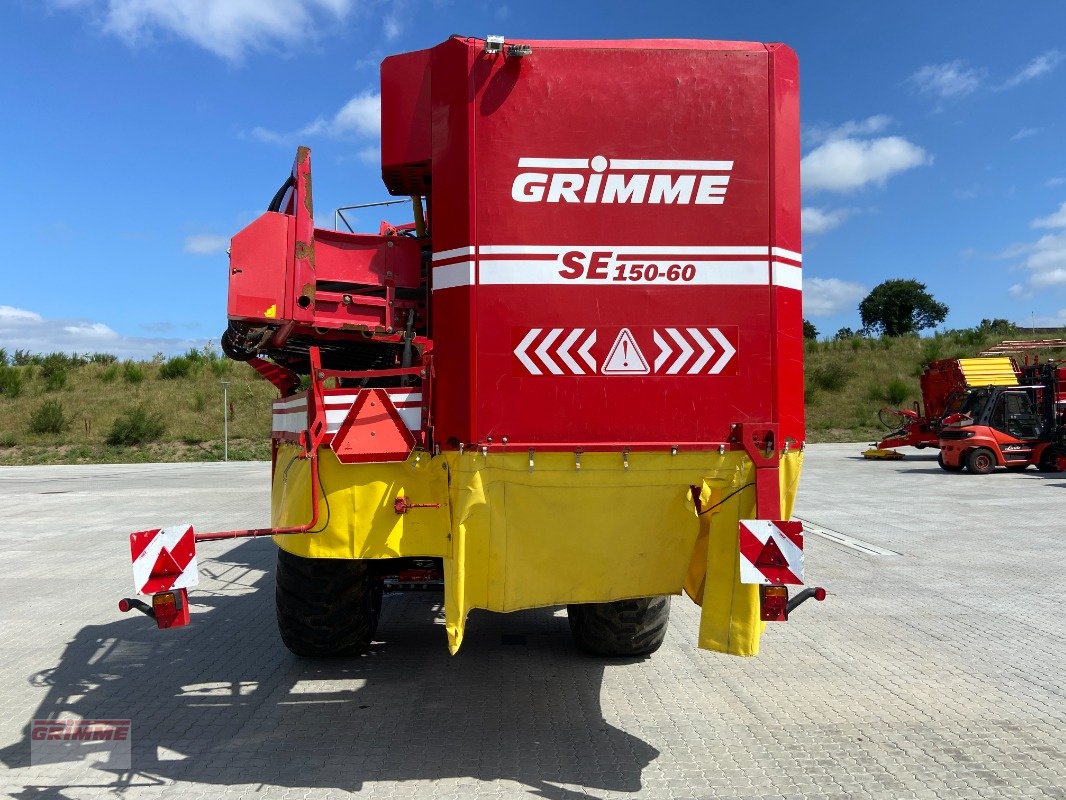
(773, 603)
(171, 608)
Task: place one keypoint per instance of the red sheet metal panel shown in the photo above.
(616, 242)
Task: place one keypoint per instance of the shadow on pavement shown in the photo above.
(222, 702)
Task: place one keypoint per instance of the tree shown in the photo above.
(809, 331)
(999, 327)
(897, 307)
(844, 334)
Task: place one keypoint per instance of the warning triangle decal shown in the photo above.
(625, 357)
(165, 566)
(771, 555)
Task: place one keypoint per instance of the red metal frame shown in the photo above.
(312, 440)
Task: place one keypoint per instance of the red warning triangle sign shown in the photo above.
(373, 431)
(625, 357)
(165, 566)
(771, 555)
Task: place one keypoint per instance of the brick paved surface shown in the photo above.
(938, 672)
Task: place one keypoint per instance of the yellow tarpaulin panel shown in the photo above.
(729, 622)
(512, 537)
(356, 515)
(988, 371)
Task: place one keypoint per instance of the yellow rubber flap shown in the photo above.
(988, 371)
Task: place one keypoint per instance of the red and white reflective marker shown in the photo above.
(771, 551)
(164, 559)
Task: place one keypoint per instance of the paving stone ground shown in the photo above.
(938, 672)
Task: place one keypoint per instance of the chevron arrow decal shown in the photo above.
(670, 352)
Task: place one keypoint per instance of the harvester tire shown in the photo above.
(622, 628)
(326, 606)
(946, 466)
(981, 461)
(1049, 460)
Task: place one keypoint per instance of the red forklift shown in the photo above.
(1008, 426)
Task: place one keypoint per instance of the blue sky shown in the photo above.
(140, 134)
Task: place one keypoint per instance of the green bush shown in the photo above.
(897, 391)
(199, 402)
(830, 377)
(109, 373)
(10, 381)
(174, 368)
(54, 371)
(220, 366)
(103, 358)
(8, 439)
(194, 356)
(974, 337)
(132, 372)
(49, 417)
(3, 357)
(136, 426)
(22, 358)
(932, 349)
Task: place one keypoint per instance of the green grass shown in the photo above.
(98, 392)
(849, 380)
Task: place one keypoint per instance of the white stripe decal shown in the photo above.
(297, 404)
(791, 255)
(640, 163)
(458, 251)
(514, 270)
(555, 163)
(507, 272)
(408, 403)
(556, 249)
(788, 276)
(451, 275)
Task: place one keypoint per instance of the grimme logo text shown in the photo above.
(621, 180)
(82, 730)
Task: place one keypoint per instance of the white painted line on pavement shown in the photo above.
(846, 541)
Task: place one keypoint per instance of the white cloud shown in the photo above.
(1041, 65)
(953, 79)
(1047, 261)
(371, 156)
(843, 165)
(819, 220)
(10, 315)
(1044, 259)
(392, 27)
(1052, 182)
(21, 329)
(360, 116)
(1056, 319)
(1056, 219)
(206, 244)
(824, 297)
(1025, 133)
(851, 128)
(229, 28)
